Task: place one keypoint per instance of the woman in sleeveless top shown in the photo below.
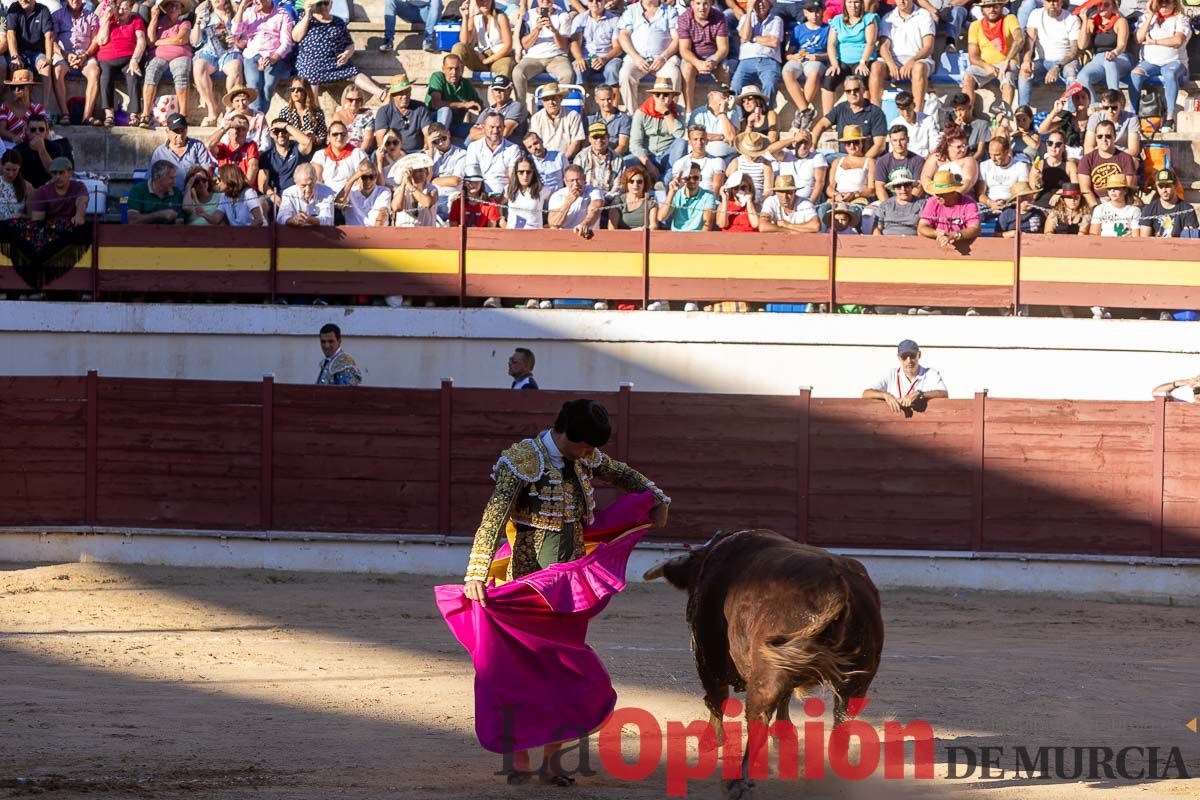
(1106, 35)
(951, 154)
(1053, 170)
(526, 197)
(756, 116)
(1070, 215)
(850, 175)
(635, 203)
(753, 160)
(485, 39)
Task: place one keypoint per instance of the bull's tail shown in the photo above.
(808, 655)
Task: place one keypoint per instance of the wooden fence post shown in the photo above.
(444, 436)
(1016, 290)
(645, 267)
(462, 258)
(624, 420)
(802, 462)
(91, 457)
(832, 267)
(978, 417)
(266, 460)
(1159, 410)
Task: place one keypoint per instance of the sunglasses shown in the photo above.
(524, 172)
(691, 178)
(636, 180)
(353, 99)
(337, 133)
(1111, 108)
(1055, 144)
(278, 131)
(853, 90)
(20, 88)
(391, 143)
(1104, 136)
(295, 89)
(36, 130)
(600, 136)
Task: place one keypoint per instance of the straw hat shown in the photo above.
(398, 83)
(22, 77)
(752, 144)
(1023, 189)
(414, 161)
(251, 95)
(944, 182)
(784, 183)
(751, 91)
(844, 208)
(1118, 181)
(187, 5)
(852, 133)
(551, 90)
(663, 86)
(993, 3)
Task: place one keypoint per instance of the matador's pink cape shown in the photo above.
(536, 679)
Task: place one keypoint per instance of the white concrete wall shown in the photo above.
(1174, 581)
(591, 350)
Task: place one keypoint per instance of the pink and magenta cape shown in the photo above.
(536, 679)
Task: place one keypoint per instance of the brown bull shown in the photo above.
(770, 616)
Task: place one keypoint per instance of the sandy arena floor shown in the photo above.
(129, 682)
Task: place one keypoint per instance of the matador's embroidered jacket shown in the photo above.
(532, 493)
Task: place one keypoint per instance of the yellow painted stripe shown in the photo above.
(739, 267)
(583, 265)
(186, 259)
(1110, 270)
(957, 272)
(84, 260)
(367, 259)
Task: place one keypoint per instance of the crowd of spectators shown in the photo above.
(762, 117)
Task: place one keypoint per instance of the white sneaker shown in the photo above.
(393, 301)
(912, 312)
(492, 302)
(531, 303)
(659, 305)
(972, 312)
(690, 307)
(1098, 312)
(1166, 315)
(601, 305)
(546, 304)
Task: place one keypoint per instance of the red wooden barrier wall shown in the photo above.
(984, 474)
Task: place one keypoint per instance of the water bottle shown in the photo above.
(125, 210)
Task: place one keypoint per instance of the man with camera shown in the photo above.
(546, 46)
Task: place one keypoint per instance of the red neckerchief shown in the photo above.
(647, 108)
(1099, 24)
(1161, 19)
(994, 33)
(333, 157)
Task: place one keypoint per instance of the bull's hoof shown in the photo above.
(738, 790)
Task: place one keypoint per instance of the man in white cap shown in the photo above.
(909, 386)
(561, 129)
(649, 32)
(546, 45)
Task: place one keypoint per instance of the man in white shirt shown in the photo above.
(783, 211)
(998, 175)
(760, 34)
(650, 38)
(712, 169)
(492, 156)
(449, 166)
(550, 164)
(561, 129)
(576, 206)
(909, 386)
(364, 201)
(306, 203)
(908, 34)
(546, 47)
(1053, 49)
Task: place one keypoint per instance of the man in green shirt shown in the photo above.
(156, 201)
(450, 97)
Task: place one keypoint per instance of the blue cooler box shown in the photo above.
(445, 34)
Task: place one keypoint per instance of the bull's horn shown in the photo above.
(654, 573)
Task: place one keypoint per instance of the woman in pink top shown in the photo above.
(122, 43)
(170, 34)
